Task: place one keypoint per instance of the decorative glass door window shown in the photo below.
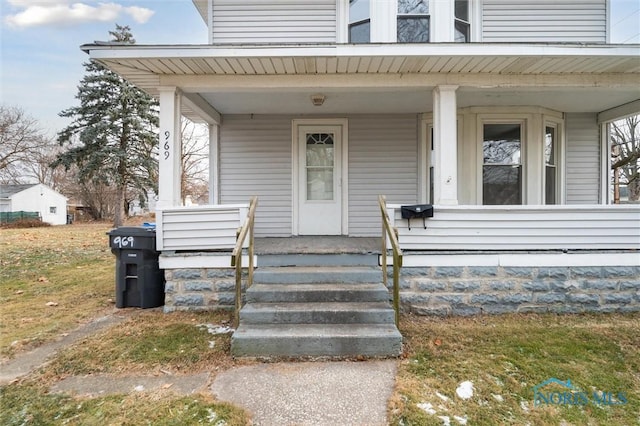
(320, 166)
(413, 21)
(359, 21)
(502, 167)
(550, 167)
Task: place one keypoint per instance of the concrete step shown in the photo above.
(314, 274)
(342, 259)
(333, 340)
(318, 313)
(319, 292)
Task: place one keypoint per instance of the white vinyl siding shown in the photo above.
(582, 158)
(582, 21)
(557, 227)
(274, 21)
(382, 160)
(199, 227)
(255, 159)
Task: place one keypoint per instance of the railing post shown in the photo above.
(236, 257)
(236, 318)
(392, 234)
(383, 256)
(251, 251)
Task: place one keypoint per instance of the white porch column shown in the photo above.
(214, 164)
(445, 144)
(169, 193)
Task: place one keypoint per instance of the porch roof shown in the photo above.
(193, 68)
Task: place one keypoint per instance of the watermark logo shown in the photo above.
(556, 392)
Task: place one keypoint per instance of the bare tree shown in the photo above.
(21, 139)
(195, 166)
(625, 156)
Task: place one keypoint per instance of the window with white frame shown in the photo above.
(407, 21)
(413, 21)
(550, 164)
(359, 21)
(53, 210)
(462, 21)
(502, 164)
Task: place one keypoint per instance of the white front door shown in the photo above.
(319, 180)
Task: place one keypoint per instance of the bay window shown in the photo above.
(502, 164)
(359, 21)
(462, 22)
(413, 21)
(550, 165)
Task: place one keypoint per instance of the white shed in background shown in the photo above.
(50, 204)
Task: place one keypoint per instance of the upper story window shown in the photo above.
(462, 21)
(413, 21)
(406, 21)
(359, 21)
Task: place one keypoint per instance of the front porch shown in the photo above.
(590, 261)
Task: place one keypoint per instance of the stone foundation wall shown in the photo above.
(199, 289)
(474, 290)
(444, 291)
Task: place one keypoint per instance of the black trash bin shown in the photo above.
(139, 280)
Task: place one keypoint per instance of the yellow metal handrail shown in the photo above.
(392, 234)
(236, 256)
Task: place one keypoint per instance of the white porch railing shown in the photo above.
(521, 228)
(207, 227)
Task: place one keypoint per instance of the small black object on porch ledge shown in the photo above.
(416, 211)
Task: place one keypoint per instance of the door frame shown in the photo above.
(343, 124)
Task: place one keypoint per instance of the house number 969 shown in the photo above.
(166, 146)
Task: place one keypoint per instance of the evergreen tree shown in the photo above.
(113, 136)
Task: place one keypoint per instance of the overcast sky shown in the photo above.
(41, 63)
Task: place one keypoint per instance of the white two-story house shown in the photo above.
(493, 111)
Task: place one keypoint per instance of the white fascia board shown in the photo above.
(107, 51)
(222, 261)
(533, 208)
(530, 260)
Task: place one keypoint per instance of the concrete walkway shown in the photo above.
(25, 363)
(96, 386)
(297, 393)
(311, 393)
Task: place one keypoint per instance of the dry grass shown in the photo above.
(151, 342)
(53, 279)
(505, 356)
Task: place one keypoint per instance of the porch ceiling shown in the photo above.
(383, 78)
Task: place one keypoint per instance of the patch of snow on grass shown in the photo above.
(498, 398)
(446, 421)
(216, 329)
(139, 388)
(212, 344)
(465, 390)
(442, 397)
(427, 408)
(525, 406)
(460, 420)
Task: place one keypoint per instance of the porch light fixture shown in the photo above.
(318, 99)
